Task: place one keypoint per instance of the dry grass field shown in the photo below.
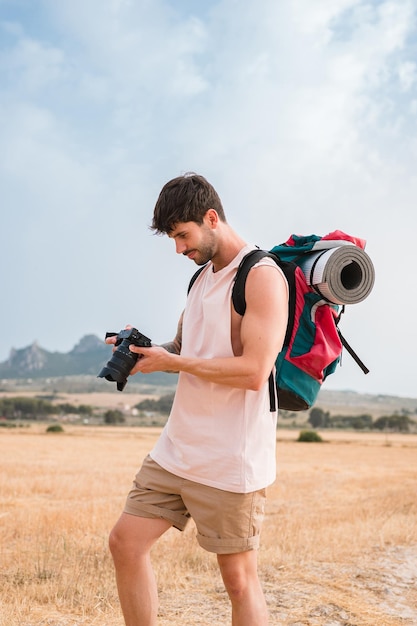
(339, 546)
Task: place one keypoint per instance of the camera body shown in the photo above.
(123, 360)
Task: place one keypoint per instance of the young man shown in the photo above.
(216, 454)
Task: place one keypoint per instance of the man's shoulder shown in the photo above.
(261, 270)
(259, 259)
(261, 277)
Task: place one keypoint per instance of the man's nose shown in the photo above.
(180, 246)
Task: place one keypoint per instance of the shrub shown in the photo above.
(309, 435)
(114, 416)
(163, 405)
(55, 428)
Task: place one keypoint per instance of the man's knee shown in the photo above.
(116, 542)
(133, 536)
(236, 586)
(238, 571)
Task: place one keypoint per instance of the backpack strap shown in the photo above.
(288, 268)
(345, 344)
(194, 278)
(238, 291)
(352, 353)
(272, 393)
(239, 303)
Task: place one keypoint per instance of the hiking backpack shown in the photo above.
(313, 343)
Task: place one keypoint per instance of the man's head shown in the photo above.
(186, 198)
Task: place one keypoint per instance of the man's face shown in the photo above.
(197, 242)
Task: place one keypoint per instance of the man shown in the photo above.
(216, 454)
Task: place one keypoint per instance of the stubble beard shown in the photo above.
(204, 255)
(205, 250)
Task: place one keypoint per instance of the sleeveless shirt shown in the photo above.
(217, 435)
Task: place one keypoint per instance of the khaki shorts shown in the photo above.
(226, 522)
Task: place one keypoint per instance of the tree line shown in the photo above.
(21, 408)
(318, 418)
(35, 408)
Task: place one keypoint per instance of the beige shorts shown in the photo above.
(226, 522)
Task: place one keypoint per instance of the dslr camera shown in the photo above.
(123, 360)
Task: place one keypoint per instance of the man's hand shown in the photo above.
(154, 359)
(111, 340)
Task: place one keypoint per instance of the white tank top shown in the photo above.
(217, 435)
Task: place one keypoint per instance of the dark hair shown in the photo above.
(186, 198)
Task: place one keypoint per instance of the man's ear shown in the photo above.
(211, 218)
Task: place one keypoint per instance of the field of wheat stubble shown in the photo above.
(339, 543)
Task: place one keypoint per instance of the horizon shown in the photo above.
(325, 387)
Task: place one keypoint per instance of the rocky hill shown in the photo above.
(87, 357)
(85, 360)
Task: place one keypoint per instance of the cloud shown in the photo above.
(36, 65)
(301, 113)
(137, 46)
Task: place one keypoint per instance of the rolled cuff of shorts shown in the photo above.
(140, 509)
(228, 546)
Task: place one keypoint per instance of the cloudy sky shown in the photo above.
(302, 113)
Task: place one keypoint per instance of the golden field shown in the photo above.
(339, 545)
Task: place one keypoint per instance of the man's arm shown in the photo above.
(174, 346)
(262, 334)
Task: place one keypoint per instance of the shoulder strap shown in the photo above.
(238, 291)
(194, 278)
(239, 303)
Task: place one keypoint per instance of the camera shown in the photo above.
(123, 360)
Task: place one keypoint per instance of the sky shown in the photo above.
(301, 113)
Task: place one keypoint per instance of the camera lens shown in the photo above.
(119, 367)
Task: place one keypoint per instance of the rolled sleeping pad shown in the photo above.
(343, 275)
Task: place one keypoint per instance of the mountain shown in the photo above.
(87, 357)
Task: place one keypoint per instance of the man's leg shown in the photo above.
(130, 543)
(240, 576)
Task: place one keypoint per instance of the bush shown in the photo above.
(114, 416)
(55, 428)
(309, 435)
(163, 405)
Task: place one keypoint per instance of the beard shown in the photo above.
(203, 255)
(206, 249)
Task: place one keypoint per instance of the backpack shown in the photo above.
(313, 343)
